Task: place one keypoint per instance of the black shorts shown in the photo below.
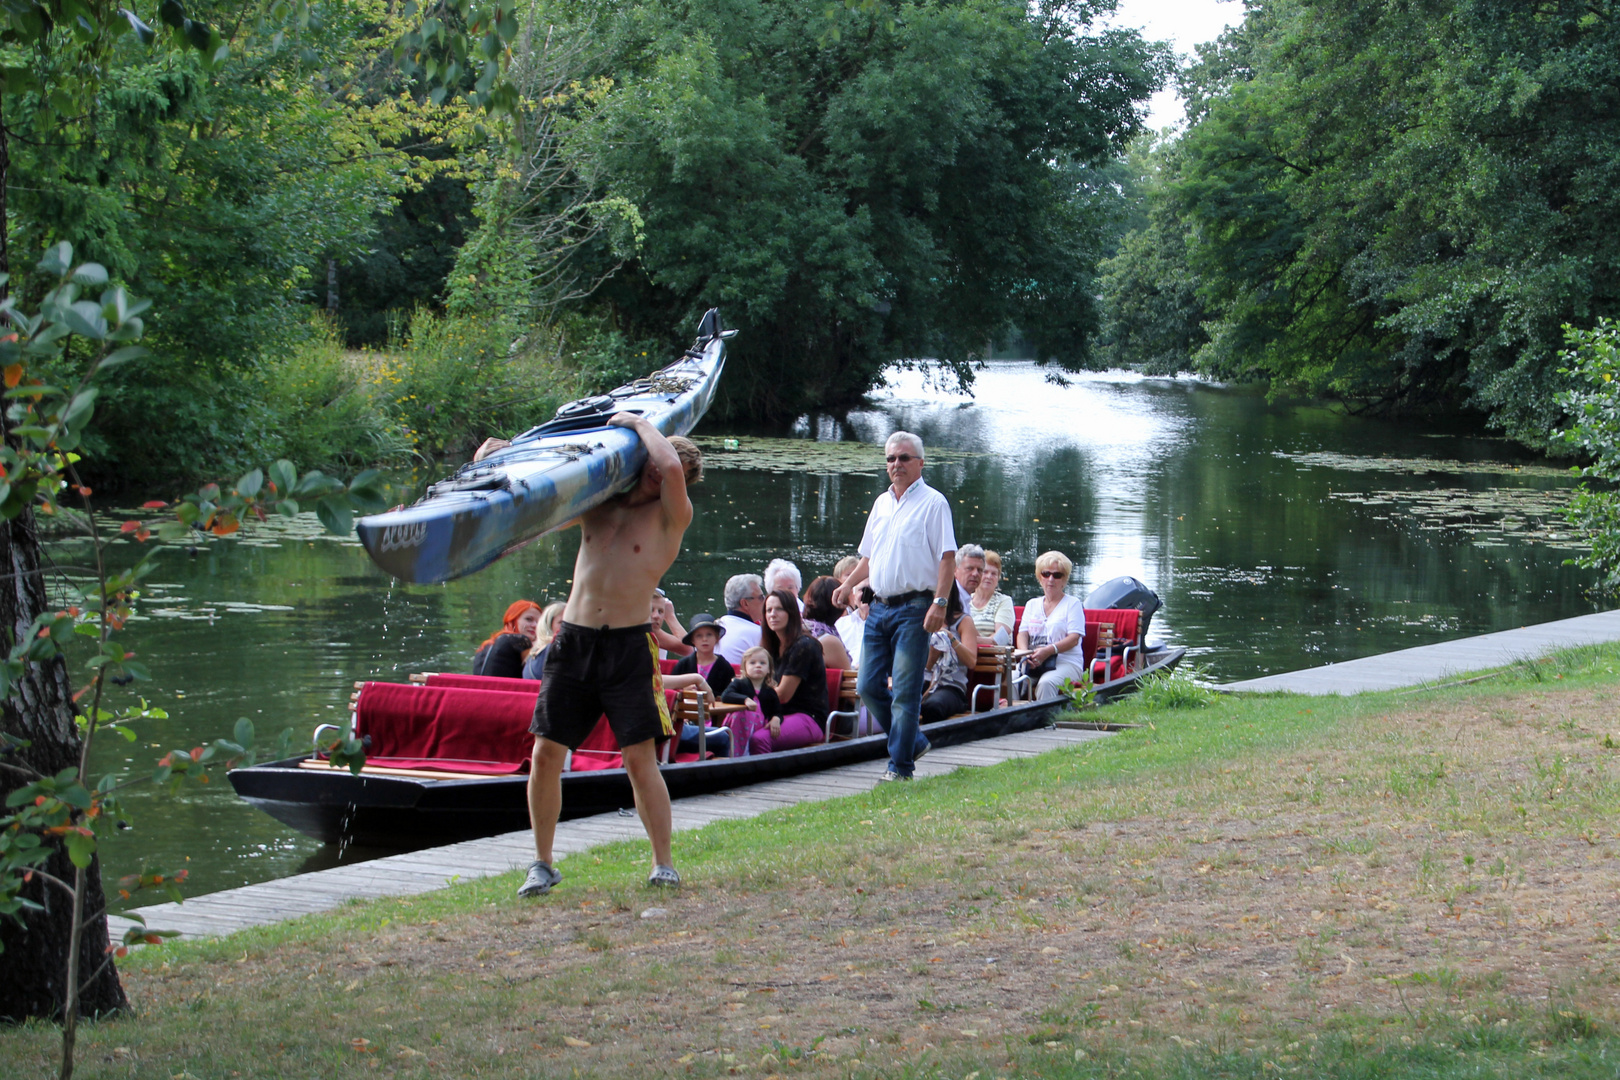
(590, 672)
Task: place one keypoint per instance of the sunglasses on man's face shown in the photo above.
(1053, 574)
(901, 458)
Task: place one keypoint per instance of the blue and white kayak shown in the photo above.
(550, 474)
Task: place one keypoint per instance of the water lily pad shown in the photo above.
(1499, 517)
(763, 454)
(1418, 466)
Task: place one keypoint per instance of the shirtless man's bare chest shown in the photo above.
(628, 544)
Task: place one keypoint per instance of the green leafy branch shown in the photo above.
(38, 470)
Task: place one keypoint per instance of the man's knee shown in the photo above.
(641, 755)
(548, 755)
(869, 686)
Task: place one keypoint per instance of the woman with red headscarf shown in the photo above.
(502, 652)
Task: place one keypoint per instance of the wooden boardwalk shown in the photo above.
(1448, 659)
(434, 868)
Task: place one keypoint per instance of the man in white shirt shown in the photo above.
(908, 558)
(969, 572)
(745, 607)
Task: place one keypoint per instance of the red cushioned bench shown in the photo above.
(1120, 655)
(451, 725)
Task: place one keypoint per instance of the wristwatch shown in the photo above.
(940, 601)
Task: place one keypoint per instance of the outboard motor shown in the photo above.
(1126, 592)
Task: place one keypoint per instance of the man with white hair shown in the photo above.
(969, 572)
(745, 607)
(908, 559)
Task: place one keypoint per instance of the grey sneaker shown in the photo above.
(918, 756)
(541, 877)
(664, 877)
(890, 775)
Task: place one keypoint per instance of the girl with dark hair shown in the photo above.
(801, 674)
(502, 652)
(952, 652)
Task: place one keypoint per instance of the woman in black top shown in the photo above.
(501, 654)
(801, 674)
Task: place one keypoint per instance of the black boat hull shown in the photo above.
(408, 812)
(1160, 660)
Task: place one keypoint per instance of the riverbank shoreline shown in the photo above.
(1420, 881)
(412, 873)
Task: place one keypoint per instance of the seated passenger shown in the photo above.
(819, 618)
(991, 609)
(666, 628)
(1053, 627)
(784, 574)
(845, 567)
(755, 688)
(801, 674)
(969, 571)
(501, 654)
(703, 636)
(688, 676)
(745, 607)
(952, 652)
(536, 661)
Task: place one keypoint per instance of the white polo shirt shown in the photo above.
(905, 538)
(740, 636)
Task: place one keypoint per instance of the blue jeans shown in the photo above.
(718, 741)
(895, 644)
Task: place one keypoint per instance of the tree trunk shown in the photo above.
(33, 967)
(331, 286)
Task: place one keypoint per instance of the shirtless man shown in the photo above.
(604, 659)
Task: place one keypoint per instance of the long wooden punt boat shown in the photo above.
(550, 474)
(399, 810)
(446, 758)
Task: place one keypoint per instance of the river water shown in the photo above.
(1280, 536)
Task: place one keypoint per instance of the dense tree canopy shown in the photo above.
(1396, 204)
(901, 180)
(224, 187)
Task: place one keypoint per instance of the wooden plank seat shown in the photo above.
(990, 680)
(844, 718)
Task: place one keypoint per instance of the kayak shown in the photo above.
(548, 476)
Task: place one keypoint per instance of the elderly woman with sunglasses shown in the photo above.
(1053, 626)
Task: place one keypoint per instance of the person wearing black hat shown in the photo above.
(703, 634)
(702, 667)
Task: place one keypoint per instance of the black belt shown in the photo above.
(905, 597)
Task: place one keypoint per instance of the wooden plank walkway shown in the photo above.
(434, 868)
(1448, 659)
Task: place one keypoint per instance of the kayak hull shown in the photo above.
(547, 477)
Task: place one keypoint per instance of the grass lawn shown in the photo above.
(1419, 884)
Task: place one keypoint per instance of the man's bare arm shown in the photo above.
(845, 594)
(935, 618)
(662, 456)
